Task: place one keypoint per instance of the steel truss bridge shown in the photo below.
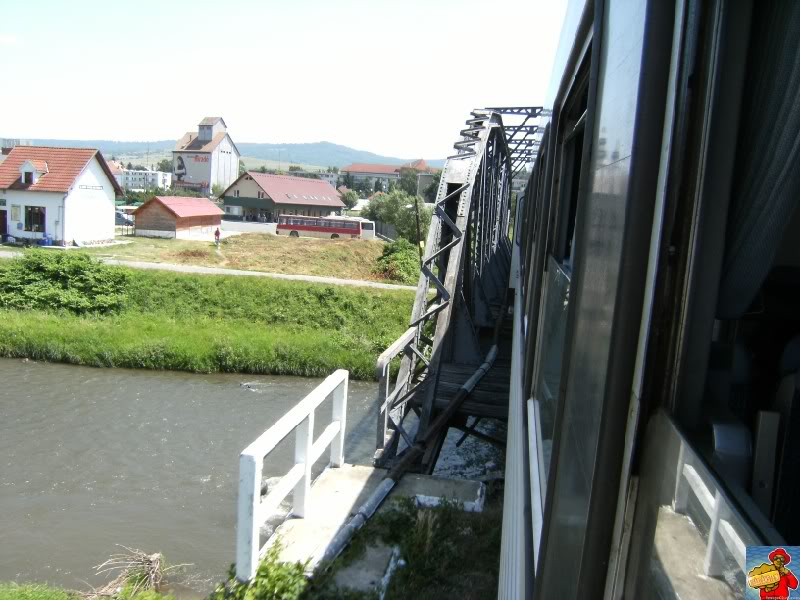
(462, 303)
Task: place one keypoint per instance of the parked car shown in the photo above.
(122, 218)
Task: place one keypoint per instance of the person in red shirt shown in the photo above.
(779, 558)
(216, 236)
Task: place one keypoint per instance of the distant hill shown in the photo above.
(323, 154)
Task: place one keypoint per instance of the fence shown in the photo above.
(254, 510)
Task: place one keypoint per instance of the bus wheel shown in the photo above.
(334, 236)
(294, 234)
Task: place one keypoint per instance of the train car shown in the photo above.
(333, 227)
(655, 405)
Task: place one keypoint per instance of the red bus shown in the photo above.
(325, 227)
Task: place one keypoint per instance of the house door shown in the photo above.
(3, 226)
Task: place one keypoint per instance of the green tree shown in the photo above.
(333, 169)
(350, 198)
(262, 169)
(347, 181)
(129, 166)
(217, 190)
(295, 168)
(408, 181)
(378, 186)
(399, 209)
(164, 165)
(242, 168)
(429, 193)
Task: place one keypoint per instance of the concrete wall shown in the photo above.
(89, 211)
(224, 164)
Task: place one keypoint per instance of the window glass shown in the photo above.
(34, 218)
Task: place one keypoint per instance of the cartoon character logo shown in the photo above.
(773, 580)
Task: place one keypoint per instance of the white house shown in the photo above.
(62, 194)
(207, 158)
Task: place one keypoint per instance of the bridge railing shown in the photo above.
(387, 400)
(253, 510)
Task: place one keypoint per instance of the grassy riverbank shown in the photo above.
(207, 324)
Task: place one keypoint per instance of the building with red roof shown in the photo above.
(58, 195)
(262, 197)
(371, 172)
(178, 217)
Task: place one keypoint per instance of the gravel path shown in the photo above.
(135, 264)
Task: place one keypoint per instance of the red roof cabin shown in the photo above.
(178, 217)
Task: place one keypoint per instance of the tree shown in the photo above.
(378, 187)
(242, 168)
(429, 193)
(129, 166)
(333, 169)
(399, 209)
(262, 169)
(295, 168)
(217, 190)
(350, 198)
(408, 181)
(164, 165)
(347, 181)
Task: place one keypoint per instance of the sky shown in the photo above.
(395, 77)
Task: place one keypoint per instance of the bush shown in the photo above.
(399, 262)
(274, 580)
(52, 280)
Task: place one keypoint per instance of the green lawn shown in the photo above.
(210, 323)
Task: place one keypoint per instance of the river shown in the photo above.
(93, 458)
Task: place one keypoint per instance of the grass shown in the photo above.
(345, 259)
(12, 591)
(206, 324)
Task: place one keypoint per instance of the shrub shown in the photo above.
(274, 580)
(399, 262)
(52, 280)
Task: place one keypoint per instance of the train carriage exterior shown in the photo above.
(654, 419)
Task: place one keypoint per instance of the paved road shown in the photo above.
(135, 264)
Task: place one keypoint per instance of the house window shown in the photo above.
(27, 177)
(236, 193)
(34, 218)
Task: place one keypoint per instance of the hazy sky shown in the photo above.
(395, 77)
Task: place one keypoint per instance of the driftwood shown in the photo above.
(134, 569)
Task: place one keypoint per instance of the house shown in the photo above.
(369, 173)
(178, 217)
(62, 194)
(206, 158)
(262, 197)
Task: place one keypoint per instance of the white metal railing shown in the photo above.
(716, 507)
(253, 510)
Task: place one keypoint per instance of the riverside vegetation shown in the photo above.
(68, 307)
(448, 553)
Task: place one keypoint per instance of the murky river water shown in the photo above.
(92, 458)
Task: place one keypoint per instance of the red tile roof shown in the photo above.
(185, 206)
(63, 165)
(371, 168)
(191, 143)
(377, 169)
(284, 189)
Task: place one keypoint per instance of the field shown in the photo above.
(215, 323)
(345, 259)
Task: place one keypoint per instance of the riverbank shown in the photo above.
(207, 324)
